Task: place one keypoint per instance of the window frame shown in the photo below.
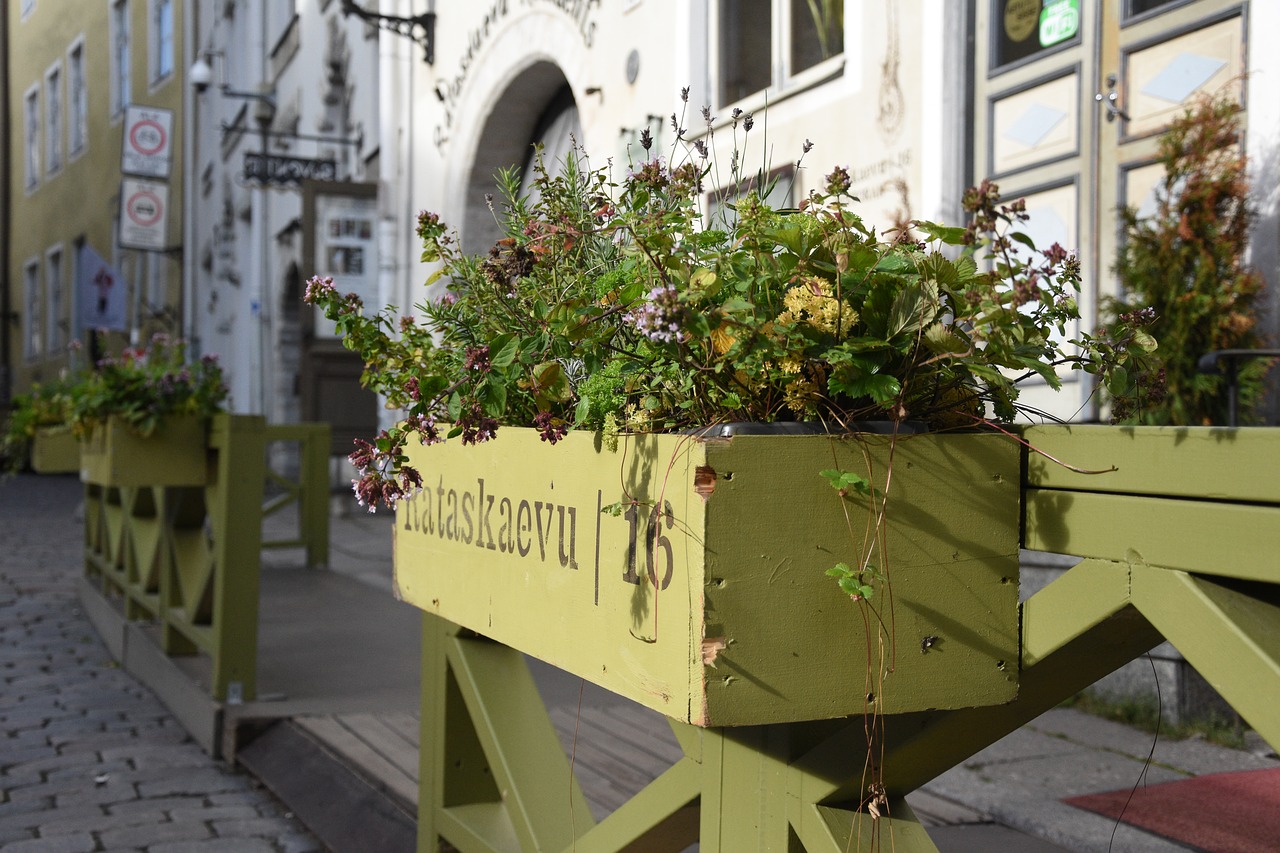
(54, 113)
(782, 81)
(31, 136)
(32, 321)
(77, 100)
(120, 45)
(55, 279)
(160, 46)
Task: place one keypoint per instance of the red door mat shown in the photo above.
(1218, 812)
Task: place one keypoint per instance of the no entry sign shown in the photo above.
(147, 150)
(144, 208)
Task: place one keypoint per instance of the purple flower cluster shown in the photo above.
(658, 319)
(318, 288)
(477, 359)
(373, 486)
(550, 428)
(476, 426)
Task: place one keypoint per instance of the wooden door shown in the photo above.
(1070, 99)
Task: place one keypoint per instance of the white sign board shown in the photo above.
(347, 249)
(100, 292)
(148, 137)
(144, 214)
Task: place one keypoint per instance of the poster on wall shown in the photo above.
(345, 241)
(100, 298)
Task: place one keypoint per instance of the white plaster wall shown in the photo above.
(1263, 146)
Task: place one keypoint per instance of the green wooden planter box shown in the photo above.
(55, 450)
(509, 539)
(174, 455)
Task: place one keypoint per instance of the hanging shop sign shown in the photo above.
(279, 170)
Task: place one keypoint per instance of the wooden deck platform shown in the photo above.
(616, 749)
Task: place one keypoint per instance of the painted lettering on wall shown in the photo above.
(581, 11)
(884, 184)
(449, 87)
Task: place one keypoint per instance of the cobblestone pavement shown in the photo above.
(89, 758)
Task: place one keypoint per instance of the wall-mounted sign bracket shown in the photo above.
(421, 29)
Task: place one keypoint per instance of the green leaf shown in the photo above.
(1143, 341)
(705, 282)
(906, 308)
(941, 339)
(1118, 381)
(894, 263)
(494, 399)
(503, 350)
(846, 481)
(1023, 239)
(951, 235)
(551, 383)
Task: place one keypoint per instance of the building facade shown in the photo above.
(94, 237)
(1059, 101)
(316, 138)
(288, 100)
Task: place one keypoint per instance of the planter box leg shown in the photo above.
(493, 775)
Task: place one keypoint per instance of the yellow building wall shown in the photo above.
(80, 201)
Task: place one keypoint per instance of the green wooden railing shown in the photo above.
(187, 558)
(307, 492)
(1180, 542)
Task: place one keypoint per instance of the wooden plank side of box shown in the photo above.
(174, 455)
(940, 632)
(1197, 463)
(508, 539)
(55, 450)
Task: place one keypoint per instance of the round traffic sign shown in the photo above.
(147, 137)
(144, 208)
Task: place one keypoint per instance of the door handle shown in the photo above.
(1111, 100)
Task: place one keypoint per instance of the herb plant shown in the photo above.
(47, 405)
(616, 306)
(144, 386)
(1182, 269)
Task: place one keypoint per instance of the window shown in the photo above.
(55, 330)
(1030, 27)
(78, 101)
(767, 43)
(161, 39)
(53, 119)
(121, 95)
(31, 136)
(31, 343)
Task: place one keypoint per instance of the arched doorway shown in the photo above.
(538, 107)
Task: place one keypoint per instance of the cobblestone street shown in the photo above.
(89, 759)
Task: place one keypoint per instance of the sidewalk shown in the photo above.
(90, 761)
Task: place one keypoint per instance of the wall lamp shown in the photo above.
(200, 75)
(421, 29)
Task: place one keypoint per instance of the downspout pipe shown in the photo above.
(6, 182)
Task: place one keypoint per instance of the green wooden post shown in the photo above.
(235, 513)
(492, 775)
(313, 509)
